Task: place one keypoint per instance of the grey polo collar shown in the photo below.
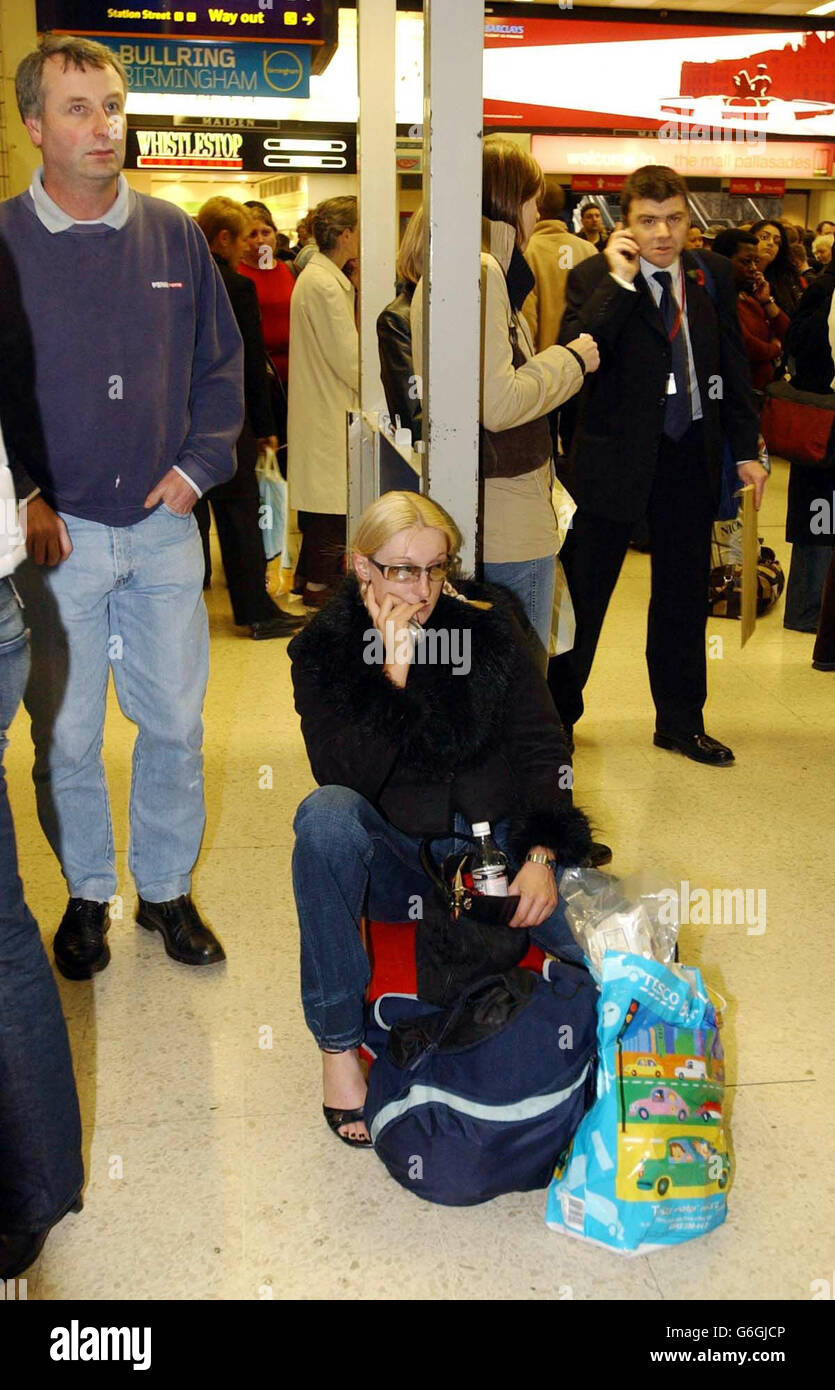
(56, 220)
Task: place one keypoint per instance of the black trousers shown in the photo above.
(235, 505)
(825, 642)
(680, 517)
(322, 555)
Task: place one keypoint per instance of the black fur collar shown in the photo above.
(442, 721)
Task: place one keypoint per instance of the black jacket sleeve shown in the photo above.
(397, 372)
(244, 299)
(19, 411)
(595, 303)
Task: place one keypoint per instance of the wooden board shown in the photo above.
(750, 557)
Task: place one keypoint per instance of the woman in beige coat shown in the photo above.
(519, 538)
(323, 384)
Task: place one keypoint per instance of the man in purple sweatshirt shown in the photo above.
(139, 382)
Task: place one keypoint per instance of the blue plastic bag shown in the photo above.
(272, 512)
(649, 1165)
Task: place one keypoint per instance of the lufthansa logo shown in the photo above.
(283, 70)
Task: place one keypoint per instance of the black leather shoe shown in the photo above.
(598, 855)
(18, 1252)
(186, 938)
(80, 945)
(823, 665)
(698, 747)
(282, 625)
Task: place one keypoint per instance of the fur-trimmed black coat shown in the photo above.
(488, 744)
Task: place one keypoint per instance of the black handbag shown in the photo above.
(463, 937)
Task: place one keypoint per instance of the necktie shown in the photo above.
(677, 414)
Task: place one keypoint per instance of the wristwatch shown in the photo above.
(538, 858)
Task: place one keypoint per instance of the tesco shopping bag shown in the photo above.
(649, 1165)
(272, 512)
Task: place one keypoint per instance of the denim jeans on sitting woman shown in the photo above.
(40, 1132)
(349, 861)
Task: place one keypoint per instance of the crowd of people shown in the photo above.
(160, 359)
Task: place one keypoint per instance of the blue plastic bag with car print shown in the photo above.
(648, 1166)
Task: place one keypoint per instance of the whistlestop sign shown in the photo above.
(294, 21)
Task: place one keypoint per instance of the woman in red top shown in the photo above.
(274, 284)
(763, 322)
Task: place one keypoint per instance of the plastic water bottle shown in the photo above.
(488, 865)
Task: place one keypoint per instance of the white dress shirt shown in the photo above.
(655, 288)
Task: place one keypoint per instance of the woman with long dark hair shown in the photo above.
(519, 389)
(776, 264)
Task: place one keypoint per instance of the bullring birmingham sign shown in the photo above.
(294, 21)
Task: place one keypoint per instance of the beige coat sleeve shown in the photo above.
(514, 396)
(332, 323)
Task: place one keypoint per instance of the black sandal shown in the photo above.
(335, 1118)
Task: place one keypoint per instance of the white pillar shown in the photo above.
(376, 152)
(452, 120)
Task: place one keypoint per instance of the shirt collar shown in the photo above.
(648, 271)
(56, 220)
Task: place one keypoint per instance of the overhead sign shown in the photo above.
(600, 183)
(782, 159)
(255, 151)
(595, 73)
(294, 21)
(767, 188)
(214, 69)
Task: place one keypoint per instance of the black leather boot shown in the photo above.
(186, 938)
(80, 943)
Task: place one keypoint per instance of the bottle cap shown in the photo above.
(481, 827)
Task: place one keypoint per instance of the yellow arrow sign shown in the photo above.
(308, 19)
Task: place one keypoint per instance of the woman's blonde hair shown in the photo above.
(222, 215)
(509, 177)
(410, 255)
(401, 511)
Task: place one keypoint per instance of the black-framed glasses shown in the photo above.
(411, 574)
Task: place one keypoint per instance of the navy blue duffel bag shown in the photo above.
(482, 1098)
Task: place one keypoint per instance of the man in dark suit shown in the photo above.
(672, 384)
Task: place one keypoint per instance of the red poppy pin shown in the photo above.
(697, 274)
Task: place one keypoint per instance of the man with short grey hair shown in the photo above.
(139, 385)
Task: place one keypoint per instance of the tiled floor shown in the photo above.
(210, 1172)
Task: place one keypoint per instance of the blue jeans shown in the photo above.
(533, 582)
(349, 861)
(129, 599)
(41, 1172)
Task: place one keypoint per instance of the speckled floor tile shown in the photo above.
(204, 1085)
